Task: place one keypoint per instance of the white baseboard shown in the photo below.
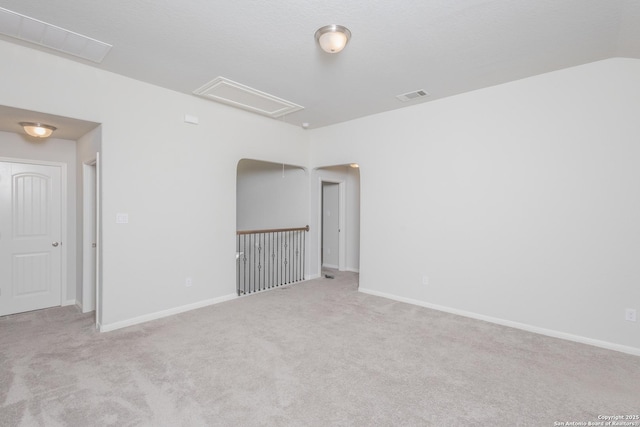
(78, 304)
(165, 313)
(353, 270)
(335, 267)
(522, 326)
(88, 310)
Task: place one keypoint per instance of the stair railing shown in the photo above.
(270, 258)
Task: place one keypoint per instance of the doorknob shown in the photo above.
(55, 244)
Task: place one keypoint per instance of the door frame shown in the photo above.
(98, 316)
(89, 228)
(63, 220)
(342, 235)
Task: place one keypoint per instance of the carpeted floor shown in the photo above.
(312, 354)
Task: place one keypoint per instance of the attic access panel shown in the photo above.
(238, 95)
(31, 30)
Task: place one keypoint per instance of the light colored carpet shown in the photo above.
(312, 354)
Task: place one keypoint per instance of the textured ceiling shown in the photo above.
(442, 46)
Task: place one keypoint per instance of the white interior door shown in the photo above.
(30, 237)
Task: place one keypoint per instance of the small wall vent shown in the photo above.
(31, 30)
(410, 96)
(238, 95)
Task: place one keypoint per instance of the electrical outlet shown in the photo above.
(188, 282)
(630, 315)
(122, 218)
(425, 280)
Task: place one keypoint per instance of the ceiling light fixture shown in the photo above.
(38, 130)
(333, 38)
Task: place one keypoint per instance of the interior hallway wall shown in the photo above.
(518, 203)
(268, 197)
(352, 224)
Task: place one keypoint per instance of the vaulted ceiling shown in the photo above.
(444, 47)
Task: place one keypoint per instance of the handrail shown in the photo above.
(273, 230)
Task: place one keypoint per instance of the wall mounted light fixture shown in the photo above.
(38, 130)
(333, 38)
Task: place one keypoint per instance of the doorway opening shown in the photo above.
(33, 199)
(90, 298)
(272, 215)
(338, 218)
(331, 224)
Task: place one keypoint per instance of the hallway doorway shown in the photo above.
(338, 218)
(332, 217)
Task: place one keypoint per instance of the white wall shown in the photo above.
(519, 202)
(352, 224)
(175, 180)
(17, 146)
(268, 198)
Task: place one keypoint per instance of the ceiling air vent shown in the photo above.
(31, 30)
(237, 95)
(410, 96)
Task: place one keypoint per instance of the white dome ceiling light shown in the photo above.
(38, 130)
(333, 38)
